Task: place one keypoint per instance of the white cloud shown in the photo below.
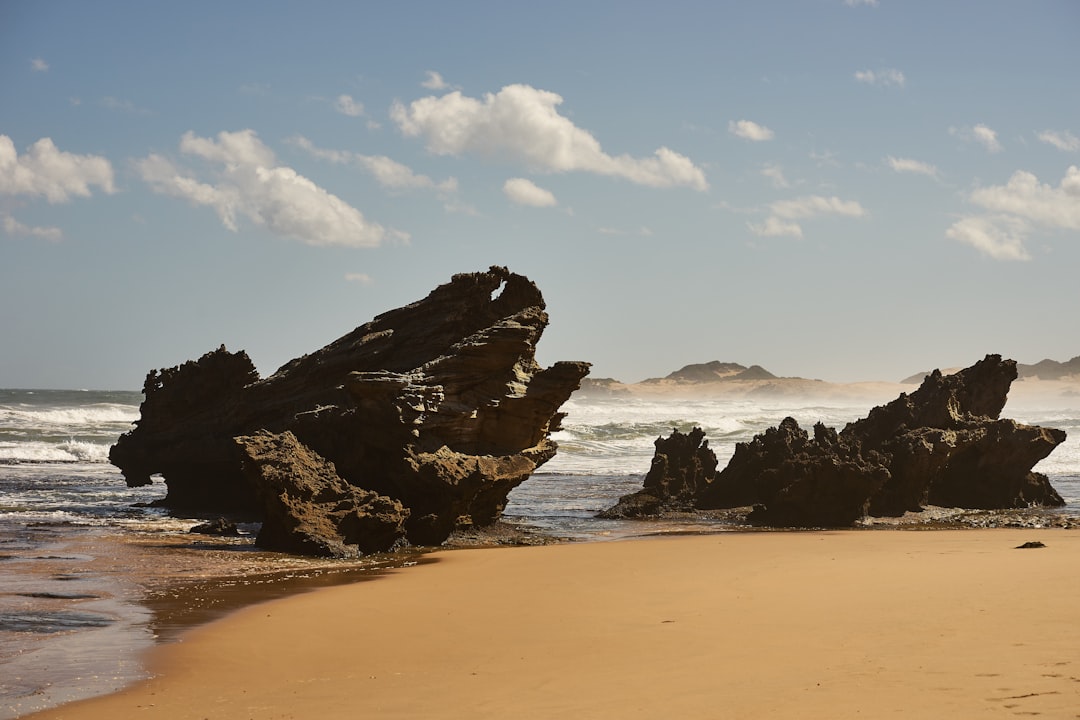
(857, 3)
(907, 165)
(784, 213)
(388, 172)
(522, 123)
(245, 181)
(39, 65)
(750, 130)
(885, 78)
(434, 81)
(1024, 196)
(1001, 238)
(980, 134)
(1017, 208)
(14, 228)
(776, 175)
(776, 227)
(525, 192)
(45, 171)
(1065, 141)
(362, 278)
(347, 106)
(815, 205)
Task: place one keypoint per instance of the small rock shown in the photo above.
(221, 526)
(1032, 544)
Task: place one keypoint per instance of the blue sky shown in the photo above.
(839, 189)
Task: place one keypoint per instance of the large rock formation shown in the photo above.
(439, 405)
(681, 468)
(944, 444)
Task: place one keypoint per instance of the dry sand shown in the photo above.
(913, 624)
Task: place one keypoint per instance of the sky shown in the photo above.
(837, 189)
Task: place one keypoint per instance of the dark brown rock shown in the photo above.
(439, 405)
(682, 466)
(944, 444)
(308, 509)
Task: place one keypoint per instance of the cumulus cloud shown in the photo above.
(39, 65)
(907, 165)
(1002, 238)
(46, 171)
(1024, 196)
(14, 228)
(980, 134)
(750, 130)
(244, 180)
(345, 105)
(885, 78)
(362, 278)
(521, 123)
(525, 192)
(387, 172)
(434, 81)
(1064, 141)
(784, 213)
(1016, 209)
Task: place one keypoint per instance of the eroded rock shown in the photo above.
(439, 405)
(944, 444)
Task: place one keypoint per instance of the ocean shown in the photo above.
(91, 575)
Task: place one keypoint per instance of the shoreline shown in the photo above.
(934, 623)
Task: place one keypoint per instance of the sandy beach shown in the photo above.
(927, 624)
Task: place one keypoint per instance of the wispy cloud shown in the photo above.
(525, 192)
(46, 171)
(126, 106)
(857, 3)
(356, 277)
(434, 81)
(750, 130)
(14, 228)
(39, 65)
(980, 134)
(785, 213)
(776, 174)
(1016, 209)
(1064, 141)
(345, 105)
(889, 77)
(522, 124)
(387, 172)
(907, 165)
(243, 179)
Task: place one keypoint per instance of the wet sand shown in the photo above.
(882, 623)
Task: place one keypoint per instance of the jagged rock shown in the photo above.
(944, 444)
(308, 509)
(682, 465)
(221, 527)
(440, 405)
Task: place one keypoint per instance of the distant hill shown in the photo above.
(715, 371)
(1042, 370)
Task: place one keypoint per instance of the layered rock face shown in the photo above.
(944, 444)
(439, 405)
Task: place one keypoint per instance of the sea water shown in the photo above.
(74, 614)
